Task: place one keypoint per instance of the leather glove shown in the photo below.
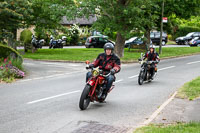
(112, 71)
(90, 66)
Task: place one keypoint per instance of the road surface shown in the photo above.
(46, 101)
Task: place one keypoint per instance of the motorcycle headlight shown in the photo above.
(95, 73)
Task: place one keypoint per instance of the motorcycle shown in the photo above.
(57, 43)
(145, 74)
(94, 88)
(37, 43)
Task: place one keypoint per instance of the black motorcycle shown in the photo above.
(145, 71)
(37, 43)
(57, 43)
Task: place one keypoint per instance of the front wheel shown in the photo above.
(141, 77)
(85, 99)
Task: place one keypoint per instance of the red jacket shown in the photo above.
(107, 63)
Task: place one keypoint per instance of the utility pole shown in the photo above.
(161, 29)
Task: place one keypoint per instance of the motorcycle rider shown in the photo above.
(109, 63)
(152, 55)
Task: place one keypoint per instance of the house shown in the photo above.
(82, 22)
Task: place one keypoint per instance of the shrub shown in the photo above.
(184, 30)
(10, 52)
(8, 72)
(25, 37)
(170, 37)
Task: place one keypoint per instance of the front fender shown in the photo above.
(91, 82)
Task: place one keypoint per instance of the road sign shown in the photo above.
(164, 19)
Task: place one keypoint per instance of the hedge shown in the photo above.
(9, 52)
(184, 30)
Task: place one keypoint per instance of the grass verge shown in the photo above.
(192, 127)
(190, 90)
(91, 54)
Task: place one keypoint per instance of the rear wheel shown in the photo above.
(85, 99)
(91, 46)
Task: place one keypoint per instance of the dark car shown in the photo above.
(185, 39)
(96, 42)
(133, 41)
(155, 38)
(195, 42)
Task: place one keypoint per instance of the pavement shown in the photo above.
(179, 110)
(47, 99)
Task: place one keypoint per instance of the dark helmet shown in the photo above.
(108, 46)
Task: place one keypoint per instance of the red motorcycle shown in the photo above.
(94, 88)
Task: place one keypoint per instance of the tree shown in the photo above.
(12, 14)
(121, 16)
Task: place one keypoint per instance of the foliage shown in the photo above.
(9, 52)
(8, 71)
(192, 127)
(184, 30)
(25, 36)
(190, 90)
(13, 14)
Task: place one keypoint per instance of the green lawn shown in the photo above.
(178, 128)
(170, 42)
(91, 54)
(190, 90)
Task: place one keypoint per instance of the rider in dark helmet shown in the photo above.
(109, 63)
(152, 55)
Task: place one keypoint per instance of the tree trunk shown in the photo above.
(148, 41)
(119, 45)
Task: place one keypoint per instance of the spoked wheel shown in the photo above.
(141, 77)
(85, 99)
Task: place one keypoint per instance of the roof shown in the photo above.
(81, 21)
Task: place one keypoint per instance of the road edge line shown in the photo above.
(156, 113)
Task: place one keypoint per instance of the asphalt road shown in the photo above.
(46, 101)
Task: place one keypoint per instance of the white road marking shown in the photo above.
(193, 62)
(133, 76)
(155, 114)
(166, 68)
(47, 98)
(50, 76)
(118, 81)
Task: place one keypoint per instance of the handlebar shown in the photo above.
(100, 72)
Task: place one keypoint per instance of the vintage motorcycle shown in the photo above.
(37, 43)
(57, 43)
(94, 88)
(145, 74)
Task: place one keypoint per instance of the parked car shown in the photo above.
(185, 39)
(96, 42)
(155, 38)
(133, 41)
(195, 42)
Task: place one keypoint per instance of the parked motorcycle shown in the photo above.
(37, 43)
(145, 74)
(57, 43)
(94, 88)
